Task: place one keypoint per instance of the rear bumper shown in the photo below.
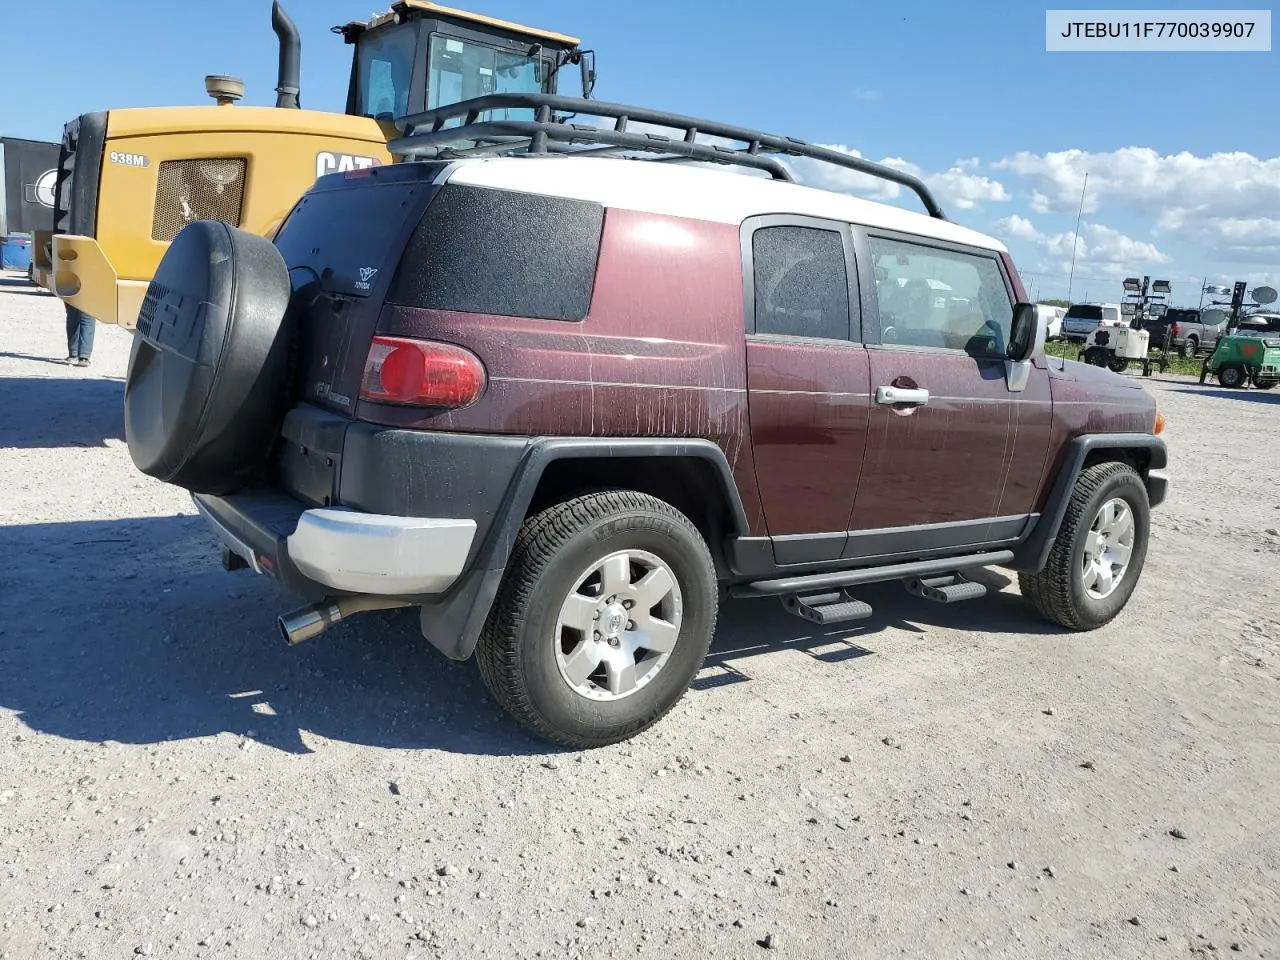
(320, 552)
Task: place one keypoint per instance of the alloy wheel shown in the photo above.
(618, 625)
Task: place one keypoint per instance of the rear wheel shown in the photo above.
(1189, 348)
(1232, 376)
(604, 617)
(1117, 365)
(1099, 552)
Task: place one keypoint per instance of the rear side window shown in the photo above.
(501, 252)
(801, 282)
(1084, 312)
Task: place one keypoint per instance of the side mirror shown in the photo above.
(1027, 335)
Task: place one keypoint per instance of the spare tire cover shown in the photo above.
(211, 368)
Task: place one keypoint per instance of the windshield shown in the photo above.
(460, 70)
(1084, 312)
(385, 71)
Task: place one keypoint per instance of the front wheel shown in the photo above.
(603, 619)
(1232, 376)
(1099, 552)
(1117, 365)
(1265, 383)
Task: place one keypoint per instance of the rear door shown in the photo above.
(957, 443)
(342, 242)
(807, 381)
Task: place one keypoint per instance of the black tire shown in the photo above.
(1232, 376)
(1265, 384)
(1117, 365)
(1058, 591)
(211, 370)
(1189, 348)
(517, 650)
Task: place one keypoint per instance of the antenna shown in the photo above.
(1075, 239)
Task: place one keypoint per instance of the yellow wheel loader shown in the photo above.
(129, 180)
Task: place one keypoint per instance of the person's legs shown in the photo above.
(85, 339)
(73, 333)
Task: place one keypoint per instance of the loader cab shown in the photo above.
(422, 55)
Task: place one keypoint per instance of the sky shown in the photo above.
(1182, 150)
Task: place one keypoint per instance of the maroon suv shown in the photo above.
(563, 404)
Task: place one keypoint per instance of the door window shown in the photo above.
(931, 297)
(801, 282)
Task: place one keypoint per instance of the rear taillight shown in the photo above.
(1174, 330)
(421, 373)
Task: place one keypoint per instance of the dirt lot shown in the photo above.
(940, 781)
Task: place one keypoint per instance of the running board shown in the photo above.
(948, 588)
(820, 582)
(824, 608)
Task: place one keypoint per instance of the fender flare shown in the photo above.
(453, 624)
(1033, 552)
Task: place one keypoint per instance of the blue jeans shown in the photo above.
(79, 334)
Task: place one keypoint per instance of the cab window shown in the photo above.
(935, 297)
(461, 70)
(385, 71)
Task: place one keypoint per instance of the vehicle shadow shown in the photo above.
(131, 631)
(60, 412)
(761, 625)
(1248, 396)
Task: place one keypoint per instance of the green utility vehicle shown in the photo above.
(1244, 357)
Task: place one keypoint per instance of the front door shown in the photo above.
(807, 381)
(957, 439)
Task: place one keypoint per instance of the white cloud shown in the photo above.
(1040, 203)
(965, 190)
(1227, 204)
(1100, 247)
(1245, 233)
(1016, 226)
(959, 187)
(862, 93)
(1234, 184)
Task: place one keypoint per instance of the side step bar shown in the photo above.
(824, 608)
(951, 588)
(822, 582)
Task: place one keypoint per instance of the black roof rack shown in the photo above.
(426, 136)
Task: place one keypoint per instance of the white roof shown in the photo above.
(700, 193)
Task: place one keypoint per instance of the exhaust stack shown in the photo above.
(290, 74)
(309, 622)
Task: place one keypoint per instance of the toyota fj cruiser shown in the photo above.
(563, 403)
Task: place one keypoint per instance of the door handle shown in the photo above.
(895, 395)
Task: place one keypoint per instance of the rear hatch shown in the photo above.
(342, 243)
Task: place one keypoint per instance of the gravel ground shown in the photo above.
(939, 781)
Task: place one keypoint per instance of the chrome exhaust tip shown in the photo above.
(307, 623)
